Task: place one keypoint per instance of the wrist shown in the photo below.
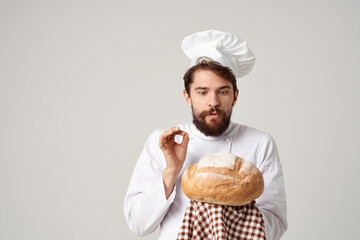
(173, 170)
(169, 179)
(170, 175)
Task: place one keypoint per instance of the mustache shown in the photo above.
(205, 113)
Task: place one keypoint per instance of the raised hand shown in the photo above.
(175, 154)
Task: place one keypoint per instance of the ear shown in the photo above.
(187, 98)
(235, 97)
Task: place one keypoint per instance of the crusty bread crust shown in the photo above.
(224, 186)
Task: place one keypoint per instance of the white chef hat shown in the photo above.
(222, 47)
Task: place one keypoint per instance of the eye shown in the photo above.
(202, 92)
(224, 92)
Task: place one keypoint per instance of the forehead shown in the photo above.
(208, 79)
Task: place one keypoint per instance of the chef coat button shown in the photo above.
(227, 139)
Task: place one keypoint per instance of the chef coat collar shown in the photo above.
(222, 137)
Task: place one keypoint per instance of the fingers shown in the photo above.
(172, 132)
(168, 137)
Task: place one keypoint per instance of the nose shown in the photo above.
(213, 100)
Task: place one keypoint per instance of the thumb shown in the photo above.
(185, 140)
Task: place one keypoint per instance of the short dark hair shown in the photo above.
(205, 63)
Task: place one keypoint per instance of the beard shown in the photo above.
(217, 126)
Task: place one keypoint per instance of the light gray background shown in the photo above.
(84, 83)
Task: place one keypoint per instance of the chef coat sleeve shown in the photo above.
(272, 203)
(145, 203)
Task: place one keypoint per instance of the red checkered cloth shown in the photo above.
(205, 221)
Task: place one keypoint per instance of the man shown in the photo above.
(154, 197)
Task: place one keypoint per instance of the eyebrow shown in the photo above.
(225, 87)
(205, 88)
(201, 88)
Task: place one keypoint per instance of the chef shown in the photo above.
(154, 197)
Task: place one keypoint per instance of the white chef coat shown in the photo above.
(145, 204)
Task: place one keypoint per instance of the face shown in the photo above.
(211, 99)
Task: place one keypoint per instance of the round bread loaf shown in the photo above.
(223, 178)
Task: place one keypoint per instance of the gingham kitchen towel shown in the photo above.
(205, 221)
